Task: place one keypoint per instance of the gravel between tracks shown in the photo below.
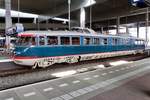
(35, 76)
(22, 79)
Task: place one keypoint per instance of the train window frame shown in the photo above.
(26, 41)
(142, 42)
(115, 41)
(136, 42)
(43, 39)
(125, 41)
(128, 41)
(96, 42)
(54, 43)
(78, 41)
(69, 43)
(103, 41)
(84, 41)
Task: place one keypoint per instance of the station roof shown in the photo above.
(101, 10)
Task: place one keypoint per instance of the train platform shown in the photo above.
(124, 82)
(5, 57)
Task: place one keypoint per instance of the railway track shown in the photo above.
(10, 68)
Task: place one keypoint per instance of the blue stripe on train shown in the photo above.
(46, 51)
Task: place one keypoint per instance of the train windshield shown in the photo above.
(26, 41)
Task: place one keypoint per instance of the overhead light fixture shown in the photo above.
(29, 15)
(82, 18)
(89, 3)
(60, 19)
(21, 14)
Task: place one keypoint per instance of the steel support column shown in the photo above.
(69, 9)
(102, 30)
(8, 21)
(82, 17)
(147, 21)
(118, 24)
(138, 29)
(127, 30)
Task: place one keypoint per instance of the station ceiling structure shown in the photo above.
(101, 11)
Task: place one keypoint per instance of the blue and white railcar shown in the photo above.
(44, 48)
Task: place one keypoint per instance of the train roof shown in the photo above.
(67, 33)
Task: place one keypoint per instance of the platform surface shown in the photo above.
(114, 83)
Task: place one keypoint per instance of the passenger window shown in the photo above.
(136, 42)
(139, 42)
(52, 40)
(124, 42)
(65, 41)
(87, 41)
(142, 42)
(96, 41)
(105, 42)
(41, 40)
(75, 41)
(115, 41)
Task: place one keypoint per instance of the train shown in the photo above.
(45, 48)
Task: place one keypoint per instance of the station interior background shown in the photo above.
(132, 30)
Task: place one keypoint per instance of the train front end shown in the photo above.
(23, 54)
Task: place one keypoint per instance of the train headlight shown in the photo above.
(17, 53)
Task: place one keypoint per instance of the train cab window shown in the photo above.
(52, 40)
(41, 40)
(96, 41)
(75, 41)
(26, 41)
(87, 41)
(65, 40)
